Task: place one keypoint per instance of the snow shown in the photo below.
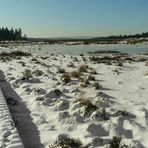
(9, 137)
(122, 102)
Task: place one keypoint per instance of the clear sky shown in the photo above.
(57, 18)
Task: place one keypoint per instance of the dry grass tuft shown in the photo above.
(91, 78)
(97, 85)
(27, 74)
(75, 74)
(84, 82)
(93, 72)
(146, 63)
(65, 78)
(66, 142)
(146, 74)
(86, 103)
(115, 142)
(83, 68)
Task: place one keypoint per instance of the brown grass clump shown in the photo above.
(27, 74)
(146, 74)
(93, 72)
(84, 82)
(91, 78)
(97, 85)
(66, 142)
(146, 63)
(115, 142)
(65, 78)
(83, 68)
(86, 103)
(75, 74)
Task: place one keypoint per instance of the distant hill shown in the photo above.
(81, 38)
(120, 37)
(114, 39)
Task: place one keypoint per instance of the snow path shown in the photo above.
(21, 116)
(9, 134)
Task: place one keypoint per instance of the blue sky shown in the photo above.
(57, 18)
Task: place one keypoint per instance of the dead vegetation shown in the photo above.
(97, 85)
(65, 78)
(75, 74)
(84, 82)
(83, 102)
(66, 142)
(90, 78)
(27, 74)
(83, 68)
(15, 53)
(146, 74)
(115, 142)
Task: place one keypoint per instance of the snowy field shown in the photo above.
(75, 101)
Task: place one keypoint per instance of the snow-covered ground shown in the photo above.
(103, 105)
(9, 136)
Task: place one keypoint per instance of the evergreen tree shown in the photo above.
(10, 34)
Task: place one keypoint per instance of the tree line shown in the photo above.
(142, 35)
(11, 34)
(120, 37)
